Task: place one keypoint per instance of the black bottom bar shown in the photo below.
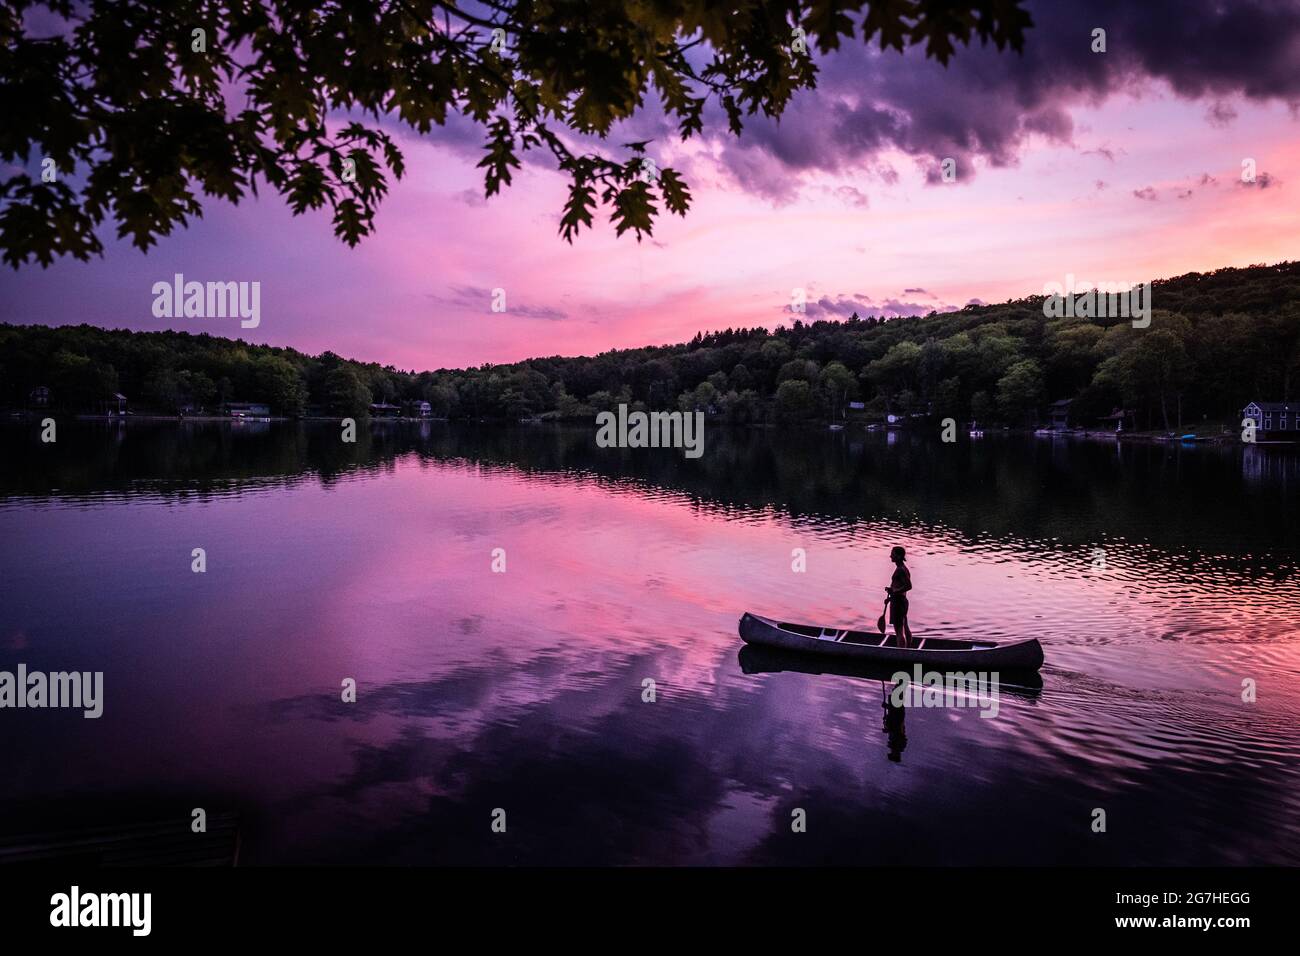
(330, 905)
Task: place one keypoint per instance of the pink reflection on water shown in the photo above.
(386, 578)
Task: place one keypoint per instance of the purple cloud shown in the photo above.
(986, 104)
(1262, 181)
(471, 197)
(1220, 114)
(852, 197)
(840, 307)
(843, 306)
(898, 308)
(474, 299)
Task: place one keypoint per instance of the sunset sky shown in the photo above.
(1120, 166)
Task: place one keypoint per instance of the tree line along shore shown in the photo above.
(1216, 341)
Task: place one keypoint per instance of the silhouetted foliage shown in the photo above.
(148, 107)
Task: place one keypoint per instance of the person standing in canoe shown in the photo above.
(899, 585)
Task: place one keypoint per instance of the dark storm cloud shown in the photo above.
(986, 103)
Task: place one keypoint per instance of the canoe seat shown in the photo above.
(858, 637)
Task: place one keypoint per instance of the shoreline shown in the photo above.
(865, 427)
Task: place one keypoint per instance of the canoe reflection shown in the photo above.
(755, 659)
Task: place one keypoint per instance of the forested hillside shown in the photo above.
(1216, 341)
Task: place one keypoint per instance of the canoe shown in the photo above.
(757, 659)
(939, 653)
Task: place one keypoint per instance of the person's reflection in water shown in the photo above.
(894, 716)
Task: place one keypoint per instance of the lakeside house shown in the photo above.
(39, 397)
(1059, 413)
(115, 404)
(247, 409)
(1120, 419)
(384, 410)
(417, 410)
(1281, 418)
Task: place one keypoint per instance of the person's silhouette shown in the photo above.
(899, 585)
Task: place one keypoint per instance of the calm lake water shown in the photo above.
(1158, 578)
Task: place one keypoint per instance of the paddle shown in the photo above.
(880, 624)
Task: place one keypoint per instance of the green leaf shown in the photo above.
(577, 210)
(633, 210)
(677, 198)
(500, 157)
